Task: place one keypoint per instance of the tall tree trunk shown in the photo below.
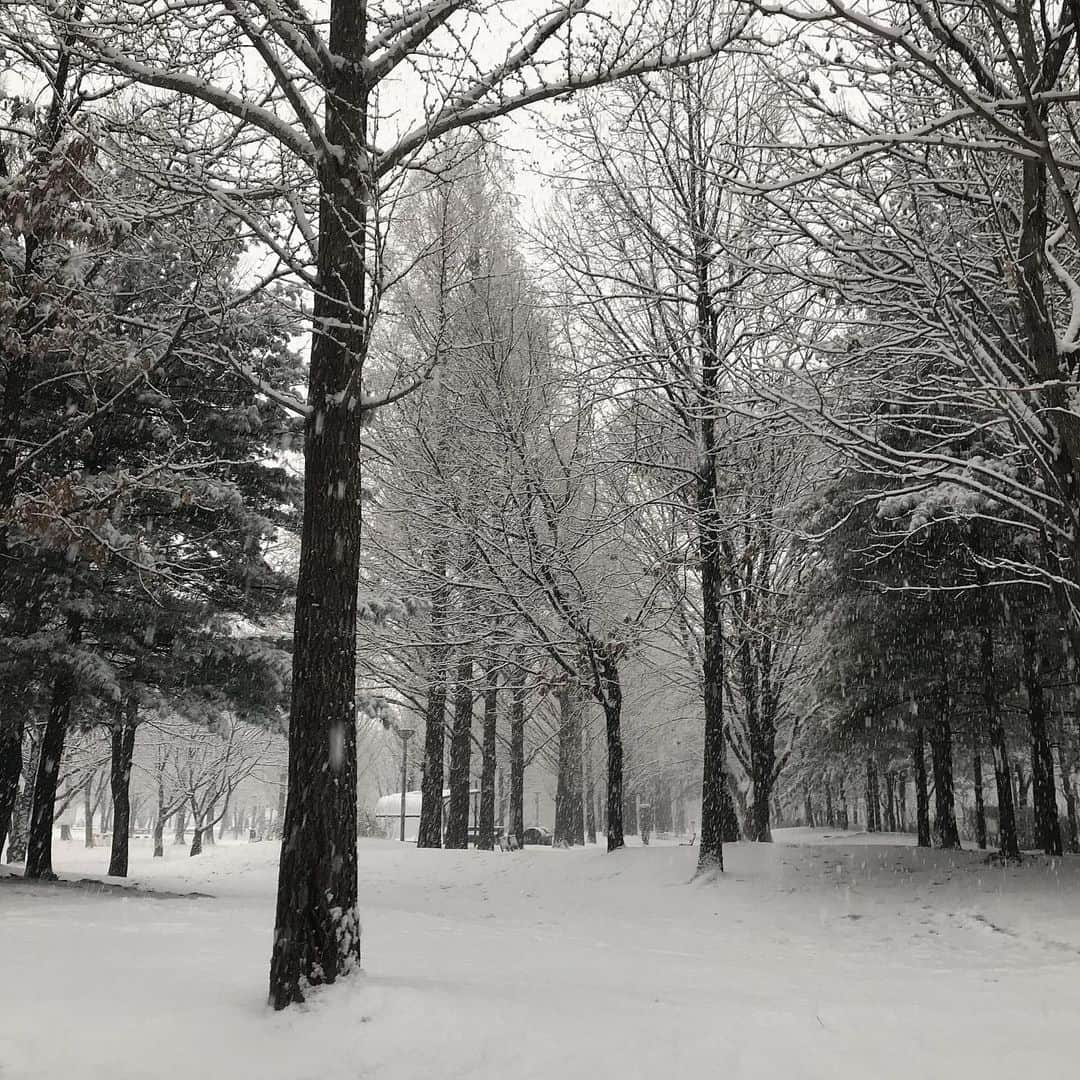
(980, 808)
(890, 802)
(944, 789)
(901, 800)
(716, 810)
(316, 926)
(486, 841)
(88, 812)
(922, 794)
(10, 770)
(208, 828)
(517, 748)
(283, 791)
(830, 815)
(1072, 839)
(1047, 824)
(159, 821)
(39, 839)
(123, 750)
(1008, 841)
(429, 833)
(873, 821)
(180, 830)
(611, 694)
(457, 815)
(589, 789)
(196, 832)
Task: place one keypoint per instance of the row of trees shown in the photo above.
(778, 443)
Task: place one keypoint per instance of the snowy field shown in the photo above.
(811, 958)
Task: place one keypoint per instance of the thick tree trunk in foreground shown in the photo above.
(180, 829)
(316, 926)
(39, 840)
(457, 813)
(944, 789)
(922, 791)
(123, 749)
(486, 839)
(517, 750)
(10, 770)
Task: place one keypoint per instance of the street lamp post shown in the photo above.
(405, 734)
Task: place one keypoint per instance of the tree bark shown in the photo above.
(941, 755)
(457, 814)
(612, 705)
(123, 750)
(39, 840)
(10, 771)
(715, 798)
(980, 807)
(430, 831)
(589, 794)
(88, 812)
(1047, 824)
(316, 926)
(890, 802)
(517, 749)
(486, 839)
(180, 830)
(1007, 839)
(922, 793)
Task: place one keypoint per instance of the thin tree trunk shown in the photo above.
(457, 815)
(890, 804)
(589, 794)
(180, 831)
(1047, 824)
(517, 749)
(922, 794)
(830, 816)
(980, 808)
(612, 705)
(88, 812)
(429, 834)
(715, 797)
(197, 819)
(123, 750)
(10, 770)
(39, 838)
(1008, 841)
(486, 839)
(944, 790)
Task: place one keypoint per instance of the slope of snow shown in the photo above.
(809, 958)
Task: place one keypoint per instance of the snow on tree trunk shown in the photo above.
(942, 758)
(316, 925)
(10, 770)
(486, 839)
(980, 806)
(922, 794)
(20, 818)
(39, 839)
(517, 749)
(612, 705)
(457, 814)
(1047, 823)
(123, 749)
(431, 781)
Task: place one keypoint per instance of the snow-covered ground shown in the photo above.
(818, 956)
